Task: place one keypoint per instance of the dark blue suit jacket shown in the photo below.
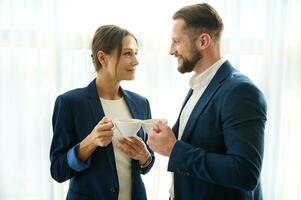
(219, 156)
(75, 115)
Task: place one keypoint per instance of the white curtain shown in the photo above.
(44, 51)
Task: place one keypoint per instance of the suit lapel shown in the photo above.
(199, 107)
(209, 92)
(175, 128)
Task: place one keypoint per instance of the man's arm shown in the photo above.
(243, 116)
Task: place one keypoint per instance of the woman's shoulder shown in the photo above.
(133, 95)
(74, 95)
(78, 92)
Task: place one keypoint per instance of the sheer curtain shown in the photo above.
(44, 51)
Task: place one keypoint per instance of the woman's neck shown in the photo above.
(107, 88)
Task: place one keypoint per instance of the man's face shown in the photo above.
(182, 47)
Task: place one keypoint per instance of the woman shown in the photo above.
(99, 163)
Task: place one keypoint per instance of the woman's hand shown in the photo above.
(102, 133)
(135, 148)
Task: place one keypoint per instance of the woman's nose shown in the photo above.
(135, 60)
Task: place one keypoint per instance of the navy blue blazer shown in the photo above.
(75, 115)
(219, 156)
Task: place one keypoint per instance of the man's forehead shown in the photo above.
(180, 26)
(179, 29)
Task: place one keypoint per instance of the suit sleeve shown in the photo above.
(63, 151)
(243, 116)
(144, 170)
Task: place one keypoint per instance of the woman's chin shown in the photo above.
(129, 78)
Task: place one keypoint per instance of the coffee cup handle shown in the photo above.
(114, 125)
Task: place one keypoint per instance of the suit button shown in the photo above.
(113, 189)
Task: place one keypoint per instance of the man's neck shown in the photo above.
(209, 58)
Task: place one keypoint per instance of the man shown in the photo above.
(215, 148)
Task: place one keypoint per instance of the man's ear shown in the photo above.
(204, 41)
(101, 56)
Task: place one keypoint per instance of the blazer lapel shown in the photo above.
(98, 113)
(134, 110)
(175, 128)
(94, 101)
(212, 88)
(131, 104)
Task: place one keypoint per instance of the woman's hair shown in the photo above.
(107, 38)
(201, 18)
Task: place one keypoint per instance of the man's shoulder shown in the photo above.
(239, 80)
(239, 86)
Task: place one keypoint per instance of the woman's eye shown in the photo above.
(128, 54)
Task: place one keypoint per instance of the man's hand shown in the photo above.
(161, 139)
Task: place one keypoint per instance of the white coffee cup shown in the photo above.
(127, 127)
(148, 124)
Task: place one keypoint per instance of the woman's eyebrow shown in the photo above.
(130, 49)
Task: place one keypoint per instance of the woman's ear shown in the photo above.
(204, 41)
(101, 56)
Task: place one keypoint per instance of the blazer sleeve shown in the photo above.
(146, 169)
(63, 150)
(243, 116)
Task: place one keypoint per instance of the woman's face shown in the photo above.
(125, 67)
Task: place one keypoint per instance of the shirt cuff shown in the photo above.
(74, 162)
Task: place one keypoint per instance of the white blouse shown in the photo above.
(118, 109)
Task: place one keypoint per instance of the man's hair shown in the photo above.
(201, 18)
(107, 38)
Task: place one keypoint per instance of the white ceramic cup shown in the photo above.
(148, 124)
(127, 127)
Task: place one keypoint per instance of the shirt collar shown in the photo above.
(198, 81)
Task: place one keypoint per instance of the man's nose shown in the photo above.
(171, 50)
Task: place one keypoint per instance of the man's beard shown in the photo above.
(188, 65)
